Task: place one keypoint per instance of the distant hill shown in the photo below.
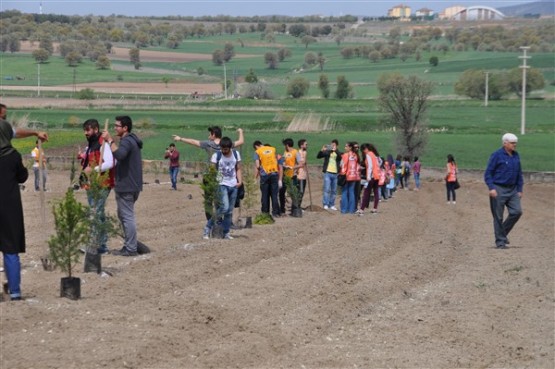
(542, 8)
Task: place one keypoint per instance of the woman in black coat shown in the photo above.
(12, 230)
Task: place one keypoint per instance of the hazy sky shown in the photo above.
(234, 7)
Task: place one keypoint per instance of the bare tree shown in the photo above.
(405, 100)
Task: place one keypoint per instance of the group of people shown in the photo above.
(361, 176)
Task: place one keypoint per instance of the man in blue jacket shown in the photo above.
(503, 177)
(129, 180)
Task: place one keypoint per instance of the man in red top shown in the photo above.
(173, 155)
(97, 158)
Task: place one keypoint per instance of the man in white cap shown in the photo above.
(503, 177)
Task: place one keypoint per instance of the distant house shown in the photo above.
(448, 13)
(399, 11)
(424, 12)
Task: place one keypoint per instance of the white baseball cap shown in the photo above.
(509, 137)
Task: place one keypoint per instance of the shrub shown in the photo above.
(86, 94)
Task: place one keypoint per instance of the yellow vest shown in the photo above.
(268, 159)
(290, 158)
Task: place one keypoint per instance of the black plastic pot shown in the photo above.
(70, 287)
(93, 263)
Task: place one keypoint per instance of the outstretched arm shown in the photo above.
(189, 141)
(22, 133)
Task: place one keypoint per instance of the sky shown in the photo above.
(236, 7)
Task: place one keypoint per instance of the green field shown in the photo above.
(465, 129)
(462, 127)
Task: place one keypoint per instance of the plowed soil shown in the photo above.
(418, 285)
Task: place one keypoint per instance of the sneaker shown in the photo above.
(124, 252)
(359, 212)
(374, 211)
(227, 236)
(333, 208)
(102, 250)
(18, 298)
(501, 247)
(326, 207)
(206, 236)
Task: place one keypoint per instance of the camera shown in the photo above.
(328, 147)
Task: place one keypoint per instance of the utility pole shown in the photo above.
(486, 95)
(38, 79)
(225, 82)
(523, 108)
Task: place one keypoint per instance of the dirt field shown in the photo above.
(418, 285)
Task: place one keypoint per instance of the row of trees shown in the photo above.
(472, 83)
(142, 32)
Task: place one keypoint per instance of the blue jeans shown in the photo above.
(99, 236)
(36, 171)
(12, 268)
(226, 202)
(348, 202)
(330, 189)
(174, 172)
(269, 191)
(126, 214)
(417, 180)
(506, 197)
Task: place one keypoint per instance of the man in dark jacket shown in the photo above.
(503, 176)
(129, 180)
(332, 158)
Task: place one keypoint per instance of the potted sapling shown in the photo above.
(295, 195)
(72, 231)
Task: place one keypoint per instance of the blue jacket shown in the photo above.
(504, 170)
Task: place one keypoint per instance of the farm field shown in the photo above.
(418, 285)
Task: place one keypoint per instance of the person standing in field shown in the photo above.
(416, 166)
(39, 165)
(91, 162)
(330, 168)
(302, 170)
(372, 176)
(503, 176)
(211, 145)
(173, 155)
(451, 179)
(350, 168)
(270, 172)
(289, 171)
(129, 180)
(230, 178)
(12, 225)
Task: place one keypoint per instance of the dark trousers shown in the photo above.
(269, 191)
(506, 197)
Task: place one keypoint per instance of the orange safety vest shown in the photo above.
(350, 167)
(375, 165)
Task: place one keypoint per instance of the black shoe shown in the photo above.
(124, 252)
(501, 247)
(19, 298)
(102, 250)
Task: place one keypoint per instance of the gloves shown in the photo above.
(280, 184)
